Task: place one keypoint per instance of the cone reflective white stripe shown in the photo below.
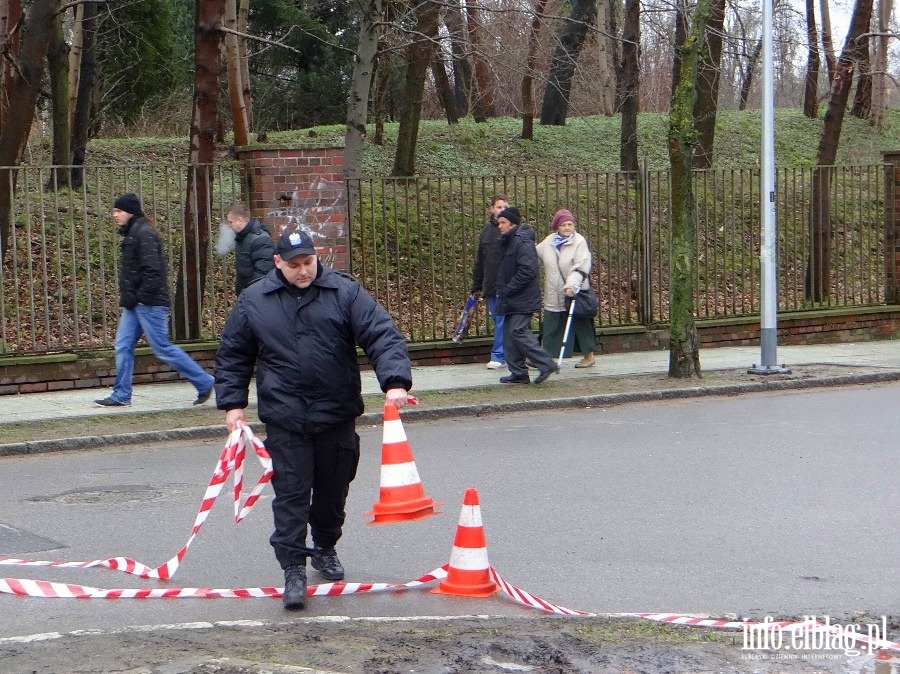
(401, 495)
(468, 573)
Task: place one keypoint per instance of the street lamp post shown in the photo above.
(768, 254)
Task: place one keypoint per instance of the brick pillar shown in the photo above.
(892, 227)
(300, 186)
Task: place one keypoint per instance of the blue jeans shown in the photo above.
(497, 348)
(153, 324)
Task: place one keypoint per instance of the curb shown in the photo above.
(413, 414)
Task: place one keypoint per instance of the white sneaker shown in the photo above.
(495, 365)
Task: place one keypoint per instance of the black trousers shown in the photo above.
(311, 480)
(519, 343)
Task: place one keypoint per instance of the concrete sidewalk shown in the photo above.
(179, 395)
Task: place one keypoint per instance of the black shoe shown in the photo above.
(543, 376)
(326, 562)
(294, 597)
(111, 402)
(203, 397)
(515, 379)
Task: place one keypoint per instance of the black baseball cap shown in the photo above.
(293, 243)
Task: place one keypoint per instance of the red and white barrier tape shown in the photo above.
(230, 461)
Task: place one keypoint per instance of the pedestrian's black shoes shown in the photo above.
(326, 562)
(294, 597)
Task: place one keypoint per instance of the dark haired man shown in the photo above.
(144, 299)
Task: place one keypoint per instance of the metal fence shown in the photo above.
(412, 244)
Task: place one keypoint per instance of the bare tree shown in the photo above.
(684, 345)
(862, 100)
(818, 267)
(58, 68)
(370, 14)
(22, 94)
(484, 98)
(629, 85)
(706, 107)
(813, 64)
(827, 41)
(555, 107)
(880, 64)
(427, 13)
(239, 121)
(530, 69)
(442, 82)
(463, 78)
(198, 199)
(81, 113)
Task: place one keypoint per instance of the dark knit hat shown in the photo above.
(129, 203)
(511, 213)
(294, 243)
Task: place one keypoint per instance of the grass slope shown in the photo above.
(584, 144)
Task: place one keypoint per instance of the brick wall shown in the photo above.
(95, 370)
(299, 185)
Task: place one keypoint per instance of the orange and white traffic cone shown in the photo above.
(468, 573)
(402, 496)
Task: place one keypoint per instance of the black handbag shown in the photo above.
(586, 302)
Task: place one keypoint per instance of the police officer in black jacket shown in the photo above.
(299, 327)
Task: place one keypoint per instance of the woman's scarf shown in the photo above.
(559, 240)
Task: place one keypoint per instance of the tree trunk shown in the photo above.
(630, 85)
(813, 64)
(706, 107)
(187, 312)
(530, 67)
(484, 90)
(239, 122)
(243, 18)
(862, 101)
(555, 107)
(880, 65)
(827, 41)
(619, 55)
(818, 267)
(459, 49)
(381, 86)
(607, 61)
(10, 15)
(360, 84)
(684, 345)
(442, 82)
(418, 58)
(75, 55)
(22, 95)
(58, 68)
(749, 70)
(81, 116)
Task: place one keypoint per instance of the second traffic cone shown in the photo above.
(468, 573)
(401, 496)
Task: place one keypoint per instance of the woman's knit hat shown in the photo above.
(562, 215)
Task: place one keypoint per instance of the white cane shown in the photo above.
(562, 349)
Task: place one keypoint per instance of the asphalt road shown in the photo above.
(766, 504)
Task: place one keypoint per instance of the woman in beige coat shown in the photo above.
(566, 258)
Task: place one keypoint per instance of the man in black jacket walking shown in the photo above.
(299, 327)
(484, 277)
(518, 297)
(253, 246)
(144, 299)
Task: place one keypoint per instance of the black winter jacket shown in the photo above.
(487, 260)
(518, 284)
(253, 251)
(304, 350)
(142, 272)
